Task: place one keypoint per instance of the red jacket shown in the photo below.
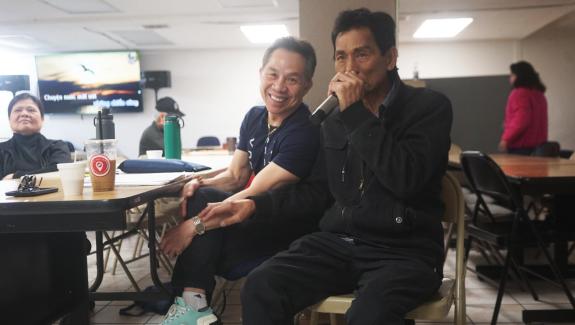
(525, 119)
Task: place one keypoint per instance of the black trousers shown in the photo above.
(319, 265)
(227, 252)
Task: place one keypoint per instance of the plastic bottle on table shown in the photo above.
(172, 138)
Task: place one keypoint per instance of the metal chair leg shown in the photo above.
(501, 289)
(123, 264)
(552, 264)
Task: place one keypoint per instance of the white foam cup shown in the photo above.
(72, 177)
(154, 154)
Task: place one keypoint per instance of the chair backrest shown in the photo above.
(452, 198)
(208, 141)
(547, 149)
(454, 203)
(486, 177)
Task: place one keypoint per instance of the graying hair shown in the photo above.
(293, 44)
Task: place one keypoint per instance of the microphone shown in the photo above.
(324, 109)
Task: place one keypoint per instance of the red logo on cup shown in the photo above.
(99, 165)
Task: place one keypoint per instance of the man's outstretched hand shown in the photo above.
(223, 214)
(215, 215)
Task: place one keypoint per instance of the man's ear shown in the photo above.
(391, 58)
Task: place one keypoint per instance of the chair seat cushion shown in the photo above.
(436, 308)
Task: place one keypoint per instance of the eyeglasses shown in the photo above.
(28, 183)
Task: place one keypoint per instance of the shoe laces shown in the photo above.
(176, 311)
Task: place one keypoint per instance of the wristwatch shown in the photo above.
(200, 227)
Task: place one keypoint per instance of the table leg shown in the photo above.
(152, 248)
(99, 262)
(562, 205)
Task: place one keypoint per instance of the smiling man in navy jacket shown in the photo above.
(377, 184)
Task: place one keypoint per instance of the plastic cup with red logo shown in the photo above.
(102, 164)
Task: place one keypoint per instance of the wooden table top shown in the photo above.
(528, 166)
(119, 193)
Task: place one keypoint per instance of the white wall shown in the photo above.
(215, 88)
(451, 59)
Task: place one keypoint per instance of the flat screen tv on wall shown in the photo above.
(84, 83)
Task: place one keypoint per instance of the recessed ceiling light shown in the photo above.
(442, 28)
(261, 34)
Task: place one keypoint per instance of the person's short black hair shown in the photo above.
(293, 44)
(24, 96)
(526, 76)
(380, 24)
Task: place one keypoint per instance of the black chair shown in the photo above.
(486, 178)
(547, 149)
(540, 205)
(208, 141)
(70, 146)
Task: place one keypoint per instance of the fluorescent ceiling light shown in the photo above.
(261, 34)
(442, 28)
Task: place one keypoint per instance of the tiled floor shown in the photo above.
(480, 296)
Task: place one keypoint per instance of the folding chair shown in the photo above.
(485, 177)
(137, 227)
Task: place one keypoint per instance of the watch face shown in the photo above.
(200, 228)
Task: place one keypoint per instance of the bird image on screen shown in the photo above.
(85, 83)
(86, 69)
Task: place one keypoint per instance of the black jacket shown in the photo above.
(152, 139)
(383, 173)
(51, 153)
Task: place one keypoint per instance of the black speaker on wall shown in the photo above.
(157, 79)
(15, 83)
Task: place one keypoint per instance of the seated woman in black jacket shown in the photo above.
(28, 151)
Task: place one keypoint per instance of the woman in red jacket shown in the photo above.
(525, 125)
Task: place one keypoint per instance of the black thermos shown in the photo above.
(108, 131)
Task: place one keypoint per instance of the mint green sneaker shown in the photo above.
(182, 314)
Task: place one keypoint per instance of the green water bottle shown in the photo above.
(172, 138)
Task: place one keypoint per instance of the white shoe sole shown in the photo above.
(207, 320)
